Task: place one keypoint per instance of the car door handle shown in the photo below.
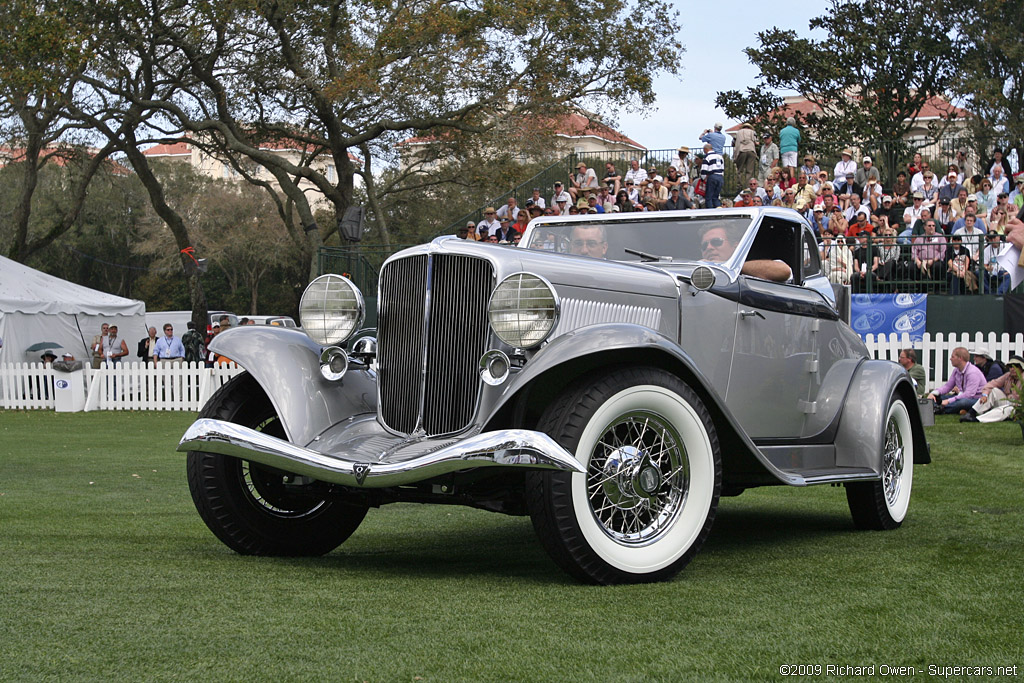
(748, 314)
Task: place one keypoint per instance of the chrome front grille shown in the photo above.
(432, 330)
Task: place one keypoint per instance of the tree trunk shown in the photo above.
(177, 228)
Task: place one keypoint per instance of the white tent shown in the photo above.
(36, 307)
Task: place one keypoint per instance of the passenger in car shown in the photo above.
(589, 240)
(718, 244)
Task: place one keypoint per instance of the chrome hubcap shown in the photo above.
(892, 462)
(637, 478)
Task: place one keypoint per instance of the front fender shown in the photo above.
(286, 364)
(626, 343)
(862, 425)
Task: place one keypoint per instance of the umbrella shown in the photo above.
(39, 346)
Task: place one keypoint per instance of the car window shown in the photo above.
(682, 239)
(776, 240)
(811, 257)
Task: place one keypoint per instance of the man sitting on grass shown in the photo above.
(963, 388)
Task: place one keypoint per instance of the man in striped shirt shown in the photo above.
(713, 173)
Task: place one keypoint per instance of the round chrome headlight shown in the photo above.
(331, 309)
(523, 310)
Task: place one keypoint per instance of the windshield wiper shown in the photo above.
(645, 256)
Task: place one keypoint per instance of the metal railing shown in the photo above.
(903, 274)
(889, 156)
(361, 264)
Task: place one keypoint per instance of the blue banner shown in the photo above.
(889, 314)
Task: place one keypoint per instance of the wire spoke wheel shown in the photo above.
(649, 495)
(637, 478)
(892, 462)
(883, 504)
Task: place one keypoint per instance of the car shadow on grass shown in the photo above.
(736, 531)
(508, 548)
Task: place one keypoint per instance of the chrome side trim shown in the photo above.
(577, 313)
(519, 448)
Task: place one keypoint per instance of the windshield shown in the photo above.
(679, 239)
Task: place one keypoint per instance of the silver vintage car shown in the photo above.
(612, 376)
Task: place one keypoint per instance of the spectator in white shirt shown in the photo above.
(584, 183)
(635, 173)
(971, 235)
(490, 223)
(1000, 183)
(560, 195)
(917, 182)
(845, 165)
(912, 213)
(509, 210)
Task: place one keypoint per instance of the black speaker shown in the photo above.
(351, 224)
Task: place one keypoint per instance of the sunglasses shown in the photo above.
(715, 242)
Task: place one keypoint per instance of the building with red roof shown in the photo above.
(576, 131)
(214, 167)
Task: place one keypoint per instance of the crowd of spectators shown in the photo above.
(933, 229)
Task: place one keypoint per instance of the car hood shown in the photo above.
(563, 270)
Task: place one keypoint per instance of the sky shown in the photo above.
(714, 37)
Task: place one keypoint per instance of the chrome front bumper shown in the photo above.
(372, 467)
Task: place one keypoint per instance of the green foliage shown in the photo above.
(103, 231)
(877, 64)
(355, 77)
(422, 211)
(41, 44)
(989, 74)
(109, 574)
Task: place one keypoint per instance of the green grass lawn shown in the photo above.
(109, 574)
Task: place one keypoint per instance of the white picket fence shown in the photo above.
(187, 386)
(933, 352)
(127, 386)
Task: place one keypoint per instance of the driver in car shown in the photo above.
(589, 240)
(718, 243)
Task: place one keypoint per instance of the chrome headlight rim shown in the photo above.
(556, 308)
(317, 330)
